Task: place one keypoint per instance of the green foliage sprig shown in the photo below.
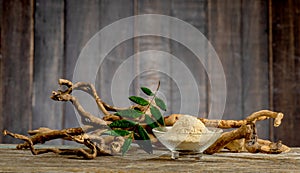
(132, 130)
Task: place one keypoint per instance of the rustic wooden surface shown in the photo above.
(12, 160)
(41, 41)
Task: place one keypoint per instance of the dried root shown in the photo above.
(243, 138)
(98, 145)
(226, 124)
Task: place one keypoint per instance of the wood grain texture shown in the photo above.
(225, 35)
(48, 63)
(138, 161)
(1, 68)
(236, 28)
(112, 11)
(254, 45)
(297, 67)
(285, 17)
(82, 22)
(154, 66)
(17, 62)
(194, 13)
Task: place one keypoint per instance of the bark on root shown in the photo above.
(244, 138)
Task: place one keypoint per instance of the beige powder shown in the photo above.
(187, 129)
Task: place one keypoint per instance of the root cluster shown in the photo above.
(242, 138)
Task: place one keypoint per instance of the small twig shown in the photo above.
(84, 114)
(86, 87)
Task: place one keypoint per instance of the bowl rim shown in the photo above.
(212, 130)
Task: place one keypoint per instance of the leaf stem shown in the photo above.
(148, 106)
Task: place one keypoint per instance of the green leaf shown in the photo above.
(143, 140)
(126, 145)
(157, 115)
(147, 91)
(139, 100)
(117, 132)
(150, 122)
(160, 103)
(130, 113)
(117, 114)
(122, 124)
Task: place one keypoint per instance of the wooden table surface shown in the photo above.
(12, 160)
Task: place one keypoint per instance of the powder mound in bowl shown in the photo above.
(188, 133)
(188, 124)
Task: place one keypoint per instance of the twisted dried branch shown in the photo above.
(244, 138)
(226, 124)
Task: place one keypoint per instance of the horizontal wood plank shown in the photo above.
(138, 161)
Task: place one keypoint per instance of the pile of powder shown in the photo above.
(185, 128)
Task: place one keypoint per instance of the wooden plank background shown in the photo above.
(17, 65)
(286, 67)
(257, 42)
(48, 62)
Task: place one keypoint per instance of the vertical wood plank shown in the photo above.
(155, 60)
(82, 22)
(112, 11)
(17, 53)
(1, 68)
(285, 29)
(195, 13)
(255, 61)
(224, 32)
(297, 69)
(48, 63)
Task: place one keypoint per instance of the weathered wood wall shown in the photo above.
(17, 65)
(285, 64)
(257, 42)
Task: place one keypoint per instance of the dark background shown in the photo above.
(256, 40)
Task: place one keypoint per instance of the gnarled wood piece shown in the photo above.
(242, 139)
(251, 142)
(226, 124)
